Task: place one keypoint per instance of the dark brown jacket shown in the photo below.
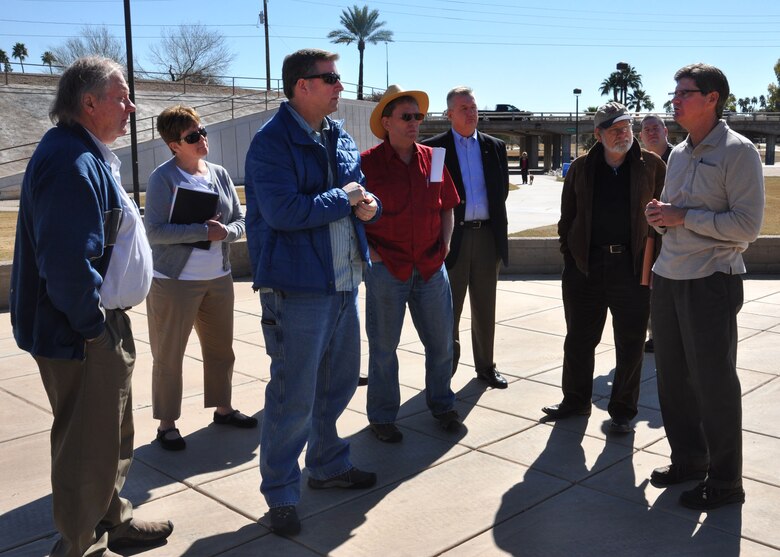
(574, 228)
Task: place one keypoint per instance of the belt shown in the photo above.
(474, 223)
(613, 248)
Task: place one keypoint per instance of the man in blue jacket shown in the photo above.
(305, 211)
(81, 260)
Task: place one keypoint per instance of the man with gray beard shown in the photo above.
(602, 232)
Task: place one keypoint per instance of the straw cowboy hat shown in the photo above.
(392, 93)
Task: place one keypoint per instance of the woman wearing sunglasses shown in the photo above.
(192, 286)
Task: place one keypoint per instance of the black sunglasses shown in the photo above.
(194, 137)
(331, 78)
(409, 116)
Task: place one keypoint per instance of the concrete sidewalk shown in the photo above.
(508, 485)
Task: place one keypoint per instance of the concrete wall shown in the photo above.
(228, 144)
(527, 256)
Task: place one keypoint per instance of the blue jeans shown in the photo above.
(314, 344)
(430, 304)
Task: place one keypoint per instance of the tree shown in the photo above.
(773, 99)
(361, 27)
(94, 41)
(4, 60)
(619, 82)
(610, 85)
(20, 53)
(639, 99)
(192, 52)
(49, 59)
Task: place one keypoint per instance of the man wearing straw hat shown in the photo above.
(407, 247)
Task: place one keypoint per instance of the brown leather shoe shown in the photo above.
(139, 533)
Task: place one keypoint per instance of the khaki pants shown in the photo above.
(91, 438)
(173, 307)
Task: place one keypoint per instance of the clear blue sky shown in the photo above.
(530, 54)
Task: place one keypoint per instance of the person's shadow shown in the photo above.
(600, 509)
(423, 445)
(210, 449)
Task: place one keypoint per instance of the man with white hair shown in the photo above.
(603, 234)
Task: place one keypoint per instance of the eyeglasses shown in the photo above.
(194, 137)
(684, 93)
(331, 78)
(409, 116)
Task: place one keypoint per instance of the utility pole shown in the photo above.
(264, 20)
(131, 86)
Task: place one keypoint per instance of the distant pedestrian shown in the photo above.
(524, 167)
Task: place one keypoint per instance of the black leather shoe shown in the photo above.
(561, 411)
(236, 419)
(674, 474)
(171, 440)
(140, 533)
(704, 497)
(620, 425)
(492, 378)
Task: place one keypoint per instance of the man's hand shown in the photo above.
(356, 193)
(366, 209)
(664, 215)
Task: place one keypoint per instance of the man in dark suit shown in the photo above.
(478, 166)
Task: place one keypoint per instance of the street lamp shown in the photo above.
(577, 93)
(623, 67)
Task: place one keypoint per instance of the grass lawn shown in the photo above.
(771, 225)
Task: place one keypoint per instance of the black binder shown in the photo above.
(193, 206)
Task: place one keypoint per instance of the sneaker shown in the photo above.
(351, 479)
(284, 520)
(674, 474)
(449, 421)
(620, 425)
(387, 433)
(704, 497)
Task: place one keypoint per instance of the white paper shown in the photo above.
(437, 164)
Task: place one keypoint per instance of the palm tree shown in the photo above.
(5, 61)
(639, 99)
(48, 58)
(628, 78)
(20, 53)
(610, 85)
(360, 26)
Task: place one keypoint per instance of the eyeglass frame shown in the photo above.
(330, 78)
(194, 137)
(683, 94)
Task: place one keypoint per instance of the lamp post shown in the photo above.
(622, 67)
(577, 93)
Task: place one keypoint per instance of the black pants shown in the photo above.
(695, 337)
(610, 284)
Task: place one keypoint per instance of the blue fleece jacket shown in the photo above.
(59, 257)
(289, 204)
